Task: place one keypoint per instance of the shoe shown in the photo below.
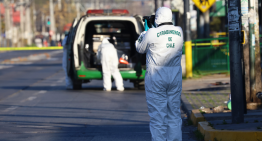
(121, 89)
(108, 90)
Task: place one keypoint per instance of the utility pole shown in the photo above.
(34, 17)
(59, 5)
(257, 56)
(78, 9)
(252, 44)
(188, 43)
(28, 23)
(22, 23)
(156, 6)
(0, 30)
(235, 50)
(43, 23)
(245, 52)
(52, 19)
(206, 25)
(8, 25)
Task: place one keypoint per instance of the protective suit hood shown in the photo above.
(105, 40)
(163, 15)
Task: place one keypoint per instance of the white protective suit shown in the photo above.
(108, 55)
(163, 80)
(69, 84)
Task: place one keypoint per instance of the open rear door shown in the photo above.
(69, 46)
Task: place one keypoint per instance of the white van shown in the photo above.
(87, 33)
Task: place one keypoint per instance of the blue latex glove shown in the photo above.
(146, 27)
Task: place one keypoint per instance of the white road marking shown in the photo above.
(23, 101)
(42, 92)
(52, 59)
(31, 98)
(35, 126)
(10, 108)
(59, 81)
(5, 67)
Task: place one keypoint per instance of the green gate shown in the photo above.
(210, 55)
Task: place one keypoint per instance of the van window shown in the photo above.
(123, 32)
(109, 27)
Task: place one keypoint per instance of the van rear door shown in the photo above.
(69, 46)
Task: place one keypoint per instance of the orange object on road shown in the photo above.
(123, 61)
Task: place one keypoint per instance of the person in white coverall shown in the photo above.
(68, 80)
(107, 53)
(163, 80)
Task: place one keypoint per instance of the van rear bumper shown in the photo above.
(84, 74)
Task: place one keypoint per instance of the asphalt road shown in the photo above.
(35, 106)
(14, 54)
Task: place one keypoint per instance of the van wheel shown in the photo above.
(77, 86)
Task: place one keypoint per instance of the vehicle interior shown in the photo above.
(124, 35)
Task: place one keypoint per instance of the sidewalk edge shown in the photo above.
(186, 105)
(211, 134)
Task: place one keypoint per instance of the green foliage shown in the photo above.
(189, 122)
(215, 24)
(33, 45)
(199, 135)
(255, 121)
(224, 122)
(210, 124)
(215, 139)
(258, 127)
(202, 112)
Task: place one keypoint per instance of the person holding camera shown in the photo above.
(163, 80)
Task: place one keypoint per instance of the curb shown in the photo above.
(193, 114)
(186, 105)
(196, 117)
(211, 134)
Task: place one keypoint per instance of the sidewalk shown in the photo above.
(205, 92)
(212, 91)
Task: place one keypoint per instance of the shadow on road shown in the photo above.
(58, 88)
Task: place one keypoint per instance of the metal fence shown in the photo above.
(210, 55)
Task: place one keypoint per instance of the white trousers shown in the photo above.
(163, 90)
(109, 62)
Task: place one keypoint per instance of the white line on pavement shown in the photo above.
(4, 67)
(42, 92)
(35, 126)
(10, 108)
(31, 98)
(59, 81)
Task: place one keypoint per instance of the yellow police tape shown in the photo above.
(30, 48)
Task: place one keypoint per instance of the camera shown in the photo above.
(150, 20)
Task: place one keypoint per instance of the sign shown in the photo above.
(244, 12)
(233, 19)
(204, 5)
